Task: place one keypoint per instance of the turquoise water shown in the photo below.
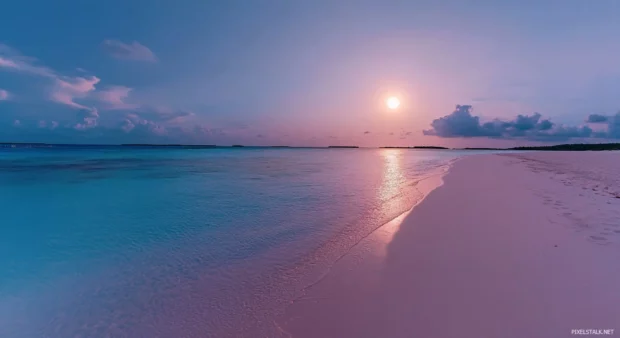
(176, 243)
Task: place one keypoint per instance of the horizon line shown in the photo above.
(564, 146)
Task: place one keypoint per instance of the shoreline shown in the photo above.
(424, 186)
(478, 254)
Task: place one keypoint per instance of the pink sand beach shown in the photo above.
(510, 245)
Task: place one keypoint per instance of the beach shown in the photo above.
(308, 243)
(510, 245)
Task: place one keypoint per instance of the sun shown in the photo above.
(392, 102)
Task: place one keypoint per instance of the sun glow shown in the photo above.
(392, 102)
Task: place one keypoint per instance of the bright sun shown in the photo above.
(392, 102)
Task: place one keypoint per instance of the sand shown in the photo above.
(511, 245)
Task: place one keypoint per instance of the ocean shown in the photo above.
(130, 242)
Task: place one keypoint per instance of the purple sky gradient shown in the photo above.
(309, 73)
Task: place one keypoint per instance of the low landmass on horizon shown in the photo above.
(558, 147)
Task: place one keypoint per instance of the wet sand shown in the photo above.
(511, 245)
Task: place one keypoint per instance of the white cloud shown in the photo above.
(65, 89)
(10, 59)
(68, 89)
(114, 97)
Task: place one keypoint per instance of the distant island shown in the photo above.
(416, 147)
(484, 149)
(128, 145)
(575, 147)
(559, 147)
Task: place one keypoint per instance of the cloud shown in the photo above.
(138, 123)
(127, 125)
(391, 134)
(525, 122)
(134, 51)
(597, 118)
(68, 89)
(24, 67)
(146, 126)
(88, 131)
(458, 124)
(613, 126)
(114, 98)
(4, 95)
(6, 63)
(461, 123)
(65, 89)
(11, 59)
(94, 127)
(145, 122)
(366, 132)
(155, 121)
(47, 125)
(88, 119)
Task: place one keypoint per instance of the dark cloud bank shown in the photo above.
(596, 118)
(461, 123)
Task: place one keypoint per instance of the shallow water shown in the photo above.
(131, 242)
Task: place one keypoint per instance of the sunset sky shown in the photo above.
(315, 72)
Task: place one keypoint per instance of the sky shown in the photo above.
(310, 73)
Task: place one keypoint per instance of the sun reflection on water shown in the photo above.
(393, 175)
